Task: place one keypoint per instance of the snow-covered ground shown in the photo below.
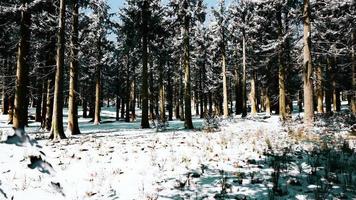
(245, 159)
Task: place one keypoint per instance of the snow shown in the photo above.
(117, 160)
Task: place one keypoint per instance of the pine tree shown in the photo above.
(22, 72)
(57, 131)
(73, 127)
(308, 67)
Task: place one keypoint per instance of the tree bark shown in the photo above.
(188, 124)
(244, 103)
(267, 102)
(319, 89)
(144, 93)
(38, 116)
(57, 131)
(22, 71)
(5, 95)
(308, 67)
(353, 60)
(281, 70)
(225, 101)
(73, 125)
(97, 118)
(170, 97)
(253, 98)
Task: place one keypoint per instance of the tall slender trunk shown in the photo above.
(128, 89)
(85, 108)
(281, 70)
(319, 89)
(57, 131)
(44, 105)
(38, 116)
(22, 71)
(225, 100)
(244, 103)
(308, 68)
(122, 114)
(253, 95)
(73, 126)
(49, 104)
(170, 97)
(162, 106)
(188, 124)
(267, 102)
(144, 93)
(328, 86)
(117, 108)
(353, 59)
(132, 99)
(5, 95)
(97, 117)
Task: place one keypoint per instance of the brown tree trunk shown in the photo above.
(22, 71)
(44, 101)
(188, 124)
(38, 116)
(328, 87)
(5, 95)
(170, 97)
(225, 95)
(281, 71)
(308, 68)
(253, 98)
(57, 131)
(73, 126)
(244, 103)
(353, 60)
(85, 108)
(132, 100)
(144, 93)
(49, 104)
(117, 108)
(319, 89)
(97, 118)
(267, 102)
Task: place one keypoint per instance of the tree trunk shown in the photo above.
(97, 118)
(22, 71)
(132, 99)
(188, 124)
(308, 68)
(328, 87)
(44, 104)
(319, 89)
(144, 93)
(85, 108)
(253, 98)
(281, 70)
(353, 60)
(267, 102)
(128, 89)
(117, 103)
(170, 97)
(225, 101)
(57, 131)
(49, 104)
(244, 103)
(38, 116)
(73, 126)
(5, 95)
(122, 114)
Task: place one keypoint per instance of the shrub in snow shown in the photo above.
(211, 123)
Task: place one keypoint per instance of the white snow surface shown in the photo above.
(118, 160)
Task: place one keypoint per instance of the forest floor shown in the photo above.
(251, 158)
